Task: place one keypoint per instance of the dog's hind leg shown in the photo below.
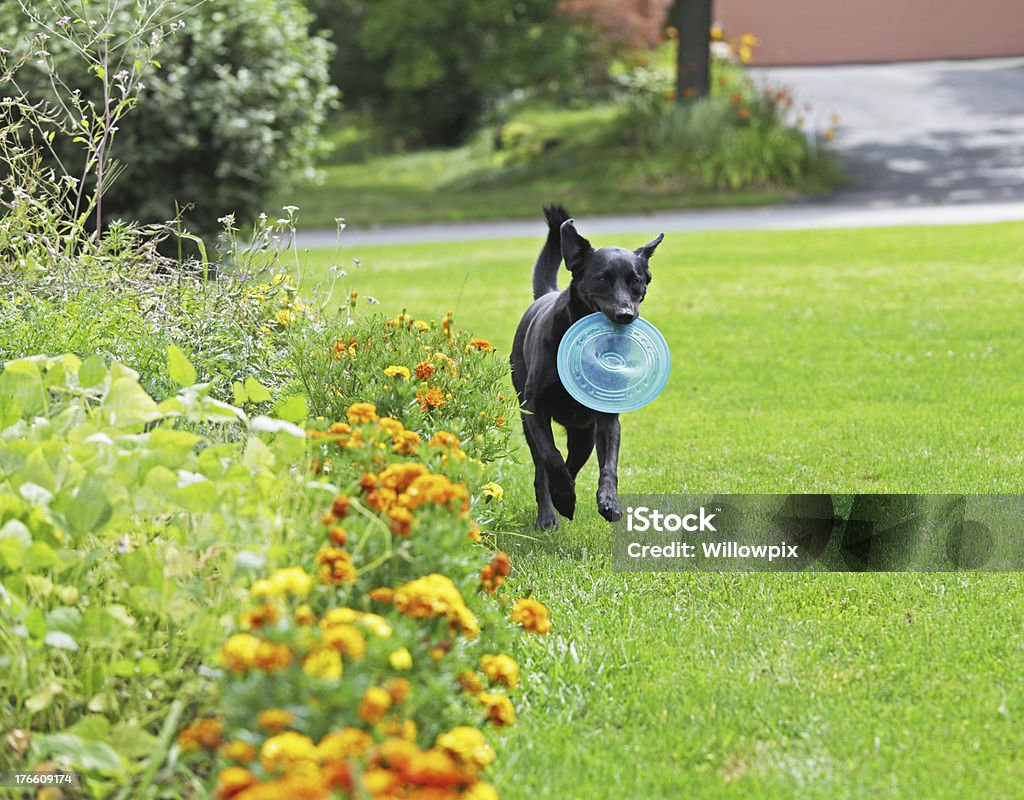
(580, 442)
(607, 436)
(553, 483)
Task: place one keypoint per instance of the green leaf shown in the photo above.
(92, 373)
(128, 404)
(86, 756)
(294, 409)
(92, 727)
(256, 391)
(11, 553)
(22, 383)
(180, 368)
(90, 509)
(238, 393)
(41, 556)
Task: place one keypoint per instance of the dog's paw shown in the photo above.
(608, 506)
(563, 492)
(546, 520)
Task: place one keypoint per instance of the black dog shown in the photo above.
(610, 280)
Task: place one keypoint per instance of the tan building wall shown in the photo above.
(851, 31)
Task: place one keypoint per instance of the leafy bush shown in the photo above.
(740, 137)
(427, 71)
(233, 93)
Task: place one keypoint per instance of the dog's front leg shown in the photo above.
(552, 482)
(607, 440)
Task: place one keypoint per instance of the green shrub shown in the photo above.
(233, 94)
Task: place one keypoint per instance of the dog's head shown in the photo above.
(611, 280)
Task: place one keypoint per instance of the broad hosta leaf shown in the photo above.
(128, 404)
(179, 367)
(22, 383)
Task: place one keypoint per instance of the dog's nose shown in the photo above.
(624, 316)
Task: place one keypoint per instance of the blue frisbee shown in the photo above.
(613, 368)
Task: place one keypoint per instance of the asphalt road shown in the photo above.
(939, 142)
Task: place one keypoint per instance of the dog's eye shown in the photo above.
(602, 279)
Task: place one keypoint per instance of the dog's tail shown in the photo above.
(545, 271)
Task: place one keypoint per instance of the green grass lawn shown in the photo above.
(832, 361)
(585, 156)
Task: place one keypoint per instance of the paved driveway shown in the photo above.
(928, 132)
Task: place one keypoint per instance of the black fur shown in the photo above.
(610, 280)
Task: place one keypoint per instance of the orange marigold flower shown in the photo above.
(243, 652)
(500, 669)
(258, 616)
(338, 535)
(532, 615)
(424, 370)
(400, 521)
(382, 594)
(470, 682)
(340, 506)
(436, 595)
(434, 767)
(344, 744)
(361, 413)
(204, 733)
(287, 751)
(275, 720)
(477, 343)
(445, 439)
(335, 566)
(233, 780)
(406, 442)
(743, 113)
(375, 703)
(433, 397)
(474, 532)
(499, 708)
(238, 751)
(399, 689)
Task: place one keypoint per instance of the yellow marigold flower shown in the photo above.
(233, 780)
(344, 744)
(499, 708)
(287, 751)
(474, 533)
(480, 791)
(420, 325)
(468, 747)
(397, 753)
(345, 639)
(500, 669)
(493, 490)
(433, 397)
(274, 720)
(716, 32)
(287, 581)
(238, 751)
(204, 733)
(470, 682)
(341, 616)
(376, 701)
(380, 782)
(400, 659)
(396, 371)
(376, 624)
(243, 652)
(400, 521)
(323, 663)
(361, 413)
(436, 653)
(259, 617)
(480, 344)
(532, 615)
(424, 370)
(304, 615)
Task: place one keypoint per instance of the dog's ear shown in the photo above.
(647, 250)
(574, 247)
